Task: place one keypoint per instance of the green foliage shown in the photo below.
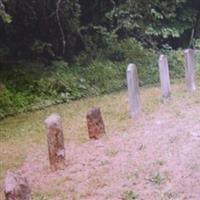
(44, 29)
(40, 48)
(24, 89)
(3, 14)
(35, 26)
(176, 64)
(132, 51)
(6, 17)
(197, 43)
(28, 86)
(104, 76)
(152, 22)
(12, 101)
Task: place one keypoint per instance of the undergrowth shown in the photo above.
(32, 85)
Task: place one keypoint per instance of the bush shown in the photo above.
(12, 102)
(131, 51)
(28, 86)
(104, 76)
(176, 64)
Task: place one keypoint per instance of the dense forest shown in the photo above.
(57, 51)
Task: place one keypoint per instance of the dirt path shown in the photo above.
(158, 158)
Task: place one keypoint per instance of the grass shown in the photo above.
(129, 195)
(156, 178)
(25, 132)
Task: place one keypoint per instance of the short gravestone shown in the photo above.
(95, 124)
(16, 187)
(133, 90)
(55, 141)
(164, 78)
(189, 55)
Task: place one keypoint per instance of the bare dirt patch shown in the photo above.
(157, 157)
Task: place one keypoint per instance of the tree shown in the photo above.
(154, 22)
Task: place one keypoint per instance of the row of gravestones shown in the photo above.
(133, 83)
(16, 186)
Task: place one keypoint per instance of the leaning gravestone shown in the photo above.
(189, 55)
(164, 78)
(95, 124)
(16, 187)
(55, 141)
(133, 90)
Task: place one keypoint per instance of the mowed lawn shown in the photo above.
(25, 132)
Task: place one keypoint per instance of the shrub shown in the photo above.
(176, 64)
(27, 86)
(131, 51)
(104, 76)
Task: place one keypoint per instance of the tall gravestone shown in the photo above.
(189, 55)
(55, 141)
(133, 90)
(164, 77)
(95, 124)
(16, 187)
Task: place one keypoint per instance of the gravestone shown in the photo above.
(95, 124)
(16, 187)
(189, 55)
(55, 141)
(133, 90)
(164, 77)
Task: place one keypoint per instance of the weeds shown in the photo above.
(156, 178)
(129, 195)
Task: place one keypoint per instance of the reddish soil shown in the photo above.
(157, 158)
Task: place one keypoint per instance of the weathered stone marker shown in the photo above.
(55, 141)
(95, 124)
(164, 77)
(133, 90)
(16, 187)
(189, 55)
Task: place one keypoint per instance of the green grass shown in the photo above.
(25, 132)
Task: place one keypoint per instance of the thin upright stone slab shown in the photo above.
(133, 90)
(189, 55)
(95, 124)
(16, 187)
(164, 78)
(55, 141)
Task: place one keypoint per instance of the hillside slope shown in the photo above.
(153, 157)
